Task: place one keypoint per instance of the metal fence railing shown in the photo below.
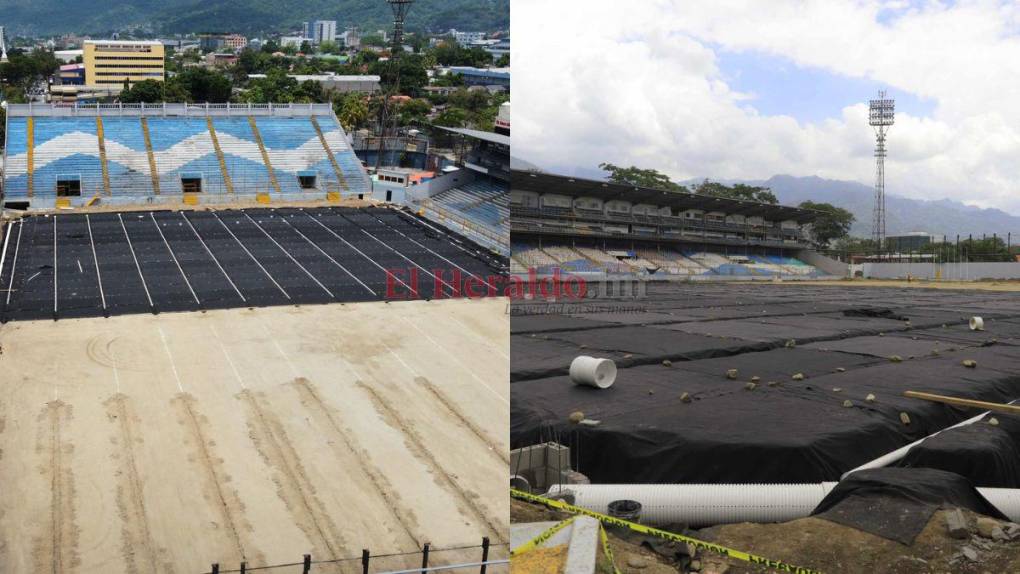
(481, 558)
(168, 109)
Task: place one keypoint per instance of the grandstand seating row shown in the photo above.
(255, 151)
(483, 201)
(684, 262)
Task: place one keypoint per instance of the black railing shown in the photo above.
(366, 559)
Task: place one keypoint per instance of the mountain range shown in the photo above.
(903, 215)
(50, 17)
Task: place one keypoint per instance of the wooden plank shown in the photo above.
(956, 401)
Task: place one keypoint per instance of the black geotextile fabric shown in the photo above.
(897, 503)
(77, 265)
(795, 431)
(985, 454)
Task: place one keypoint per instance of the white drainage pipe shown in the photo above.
(705, 504)
(598, 373)
(699, 505)
(977, 324)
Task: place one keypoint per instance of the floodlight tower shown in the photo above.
(3, 46)
(881, 118)
(400, 9)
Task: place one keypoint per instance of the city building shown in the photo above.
(913, 241)
(68, 56)
(72, 93)
(220, 59)
(499, 48)
(323, 31)
(498, 77)
(214, 42)
(72, 75)
(502, 123)
(465, 38)
(116, 62)
(294, 41)
(351, 38)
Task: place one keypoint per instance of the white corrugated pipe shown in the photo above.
(700, 505)
(705, 504)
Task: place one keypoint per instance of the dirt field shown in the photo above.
(165, 443)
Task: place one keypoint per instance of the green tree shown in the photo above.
(413, 75)
(330, 47)
(503, 61)
(452, 54)
(352, 111)
(737, 191)
(373, 40)
(414, 110)
(146, 91)
(832, 224)
(451, 118)
(640, 177)
(204, 85)
(276, 87)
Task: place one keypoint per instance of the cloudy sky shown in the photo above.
(733, 89)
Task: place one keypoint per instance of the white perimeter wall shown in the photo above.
(945, 271)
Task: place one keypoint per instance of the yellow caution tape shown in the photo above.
(606, 549)
(541, 538)
(700, 544)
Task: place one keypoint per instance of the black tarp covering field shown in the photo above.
(687, 422)
(78, 265)
(897, 503)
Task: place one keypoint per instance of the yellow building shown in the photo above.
(110, 62)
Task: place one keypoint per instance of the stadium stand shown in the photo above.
(474, 199)
(149, 153)
(663, 261)
(483, 201)
(587, 226)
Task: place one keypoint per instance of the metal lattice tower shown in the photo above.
(881, 117)
(3, 46)
(400, 9)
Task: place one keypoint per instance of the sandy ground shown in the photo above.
(166, 443)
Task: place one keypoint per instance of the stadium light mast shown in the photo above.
(400, 9)
(3, 47)
(880, 118)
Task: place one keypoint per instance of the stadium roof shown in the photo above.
(608, 191)
(492, 137)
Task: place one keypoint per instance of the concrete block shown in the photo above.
(956, 524)
(584, 546)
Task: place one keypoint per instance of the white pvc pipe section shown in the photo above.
(592, 372)
(977, 324)
(700, 505)
(705, 504)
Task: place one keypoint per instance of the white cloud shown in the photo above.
(639, 83)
